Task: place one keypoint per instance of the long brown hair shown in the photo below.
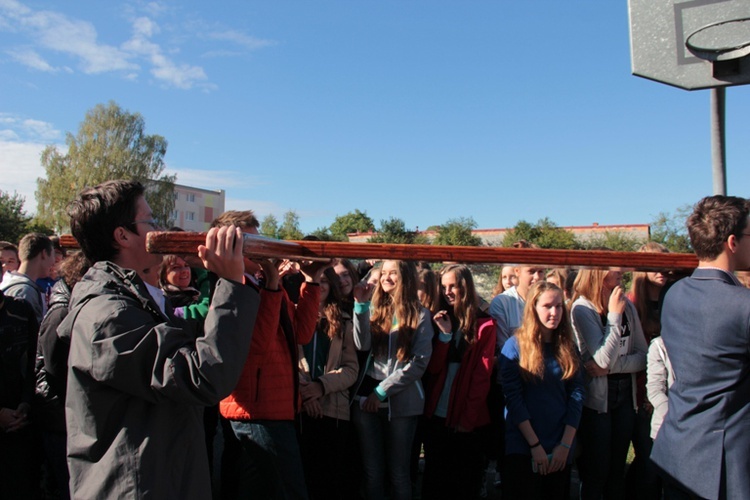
(428, 279)
(332, 319)
(403, 304)
(529, 336)
(465, 308)
(639, 294)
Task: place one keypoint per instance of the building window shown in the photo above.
(191, 197)
(175, 215)
(190, 216)
(176, 196)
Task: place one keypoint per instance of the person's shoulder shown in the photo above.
(17, 307)
(15, 282)
(582, 302)
(506, 298)
(425, 316)
(510, 348)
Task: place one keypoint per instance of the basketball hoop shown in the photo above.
(722, 41)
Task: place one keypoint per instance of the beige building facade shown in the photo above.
(195, 208)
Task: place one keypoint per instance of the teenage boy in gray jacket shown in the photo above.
(139, 377)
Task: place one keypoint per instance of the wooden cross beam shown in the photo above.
(259, 246)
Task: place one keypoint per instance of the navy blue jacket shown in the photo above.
(705, 438)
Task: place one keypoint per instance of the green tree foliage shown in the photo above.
(458, 232)
(35, 226)
(544, 233)
(269, 226)
(670, 230)
(614, 240)
(394, 230)
(14, 222)
(111, 144)
(323, 234)
(350, 223)
(289, 229)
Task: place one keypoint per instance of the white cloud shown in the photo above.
(49, 32)
(155, 9)
(215, 179)
(41, 130)
(57, 32)
(22, 141)
(183, 76)
(27, 129)
(20, 167)
(8, 135)
(247, 41)
(29, 57)
(261, 208)
(232, 182)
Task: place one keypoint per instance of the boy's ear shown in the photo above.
(120, 236)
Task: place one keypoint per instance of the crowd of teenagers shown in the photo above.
(125, 374)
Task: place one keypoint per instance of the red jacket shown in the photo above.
(467, 406)
(267, 385)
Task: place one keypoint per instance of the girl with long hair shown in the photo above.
(428, 289)
(543, 384)
(389, 396)
(328, 368)
(506, 280)
(457, 383)
(613, 349)
(645, 291)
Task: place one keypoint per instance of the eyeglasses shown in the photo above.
(151, 222)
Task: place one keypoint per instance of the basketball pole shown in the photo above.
(718, 139)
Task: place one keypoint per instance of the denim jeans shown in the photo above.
(386, 445)
(272, 466)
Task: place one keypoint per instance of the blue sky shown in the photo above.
(497, 110)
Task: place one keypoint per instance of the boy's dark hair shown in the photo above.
(98, 211)
(244, 219)
(33, 244)
(713, 220)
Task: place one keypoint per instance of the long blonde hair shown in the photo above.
(465, 309)
(529, 336)
(403, 304)
(589, 284)
(639, 294)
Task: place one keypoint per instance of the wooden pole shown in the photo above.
(259, 246)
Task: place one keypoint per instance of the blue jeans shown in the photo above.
(272, 466)
(385, 443)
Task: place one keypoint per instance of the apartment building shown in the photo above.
(195, 208)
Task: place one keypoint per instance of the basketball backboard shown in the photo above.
(660, 29)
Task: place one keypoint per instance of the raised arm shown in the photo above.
(596, 341)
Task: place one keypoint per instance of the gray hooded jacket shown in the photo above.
(138, 382)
